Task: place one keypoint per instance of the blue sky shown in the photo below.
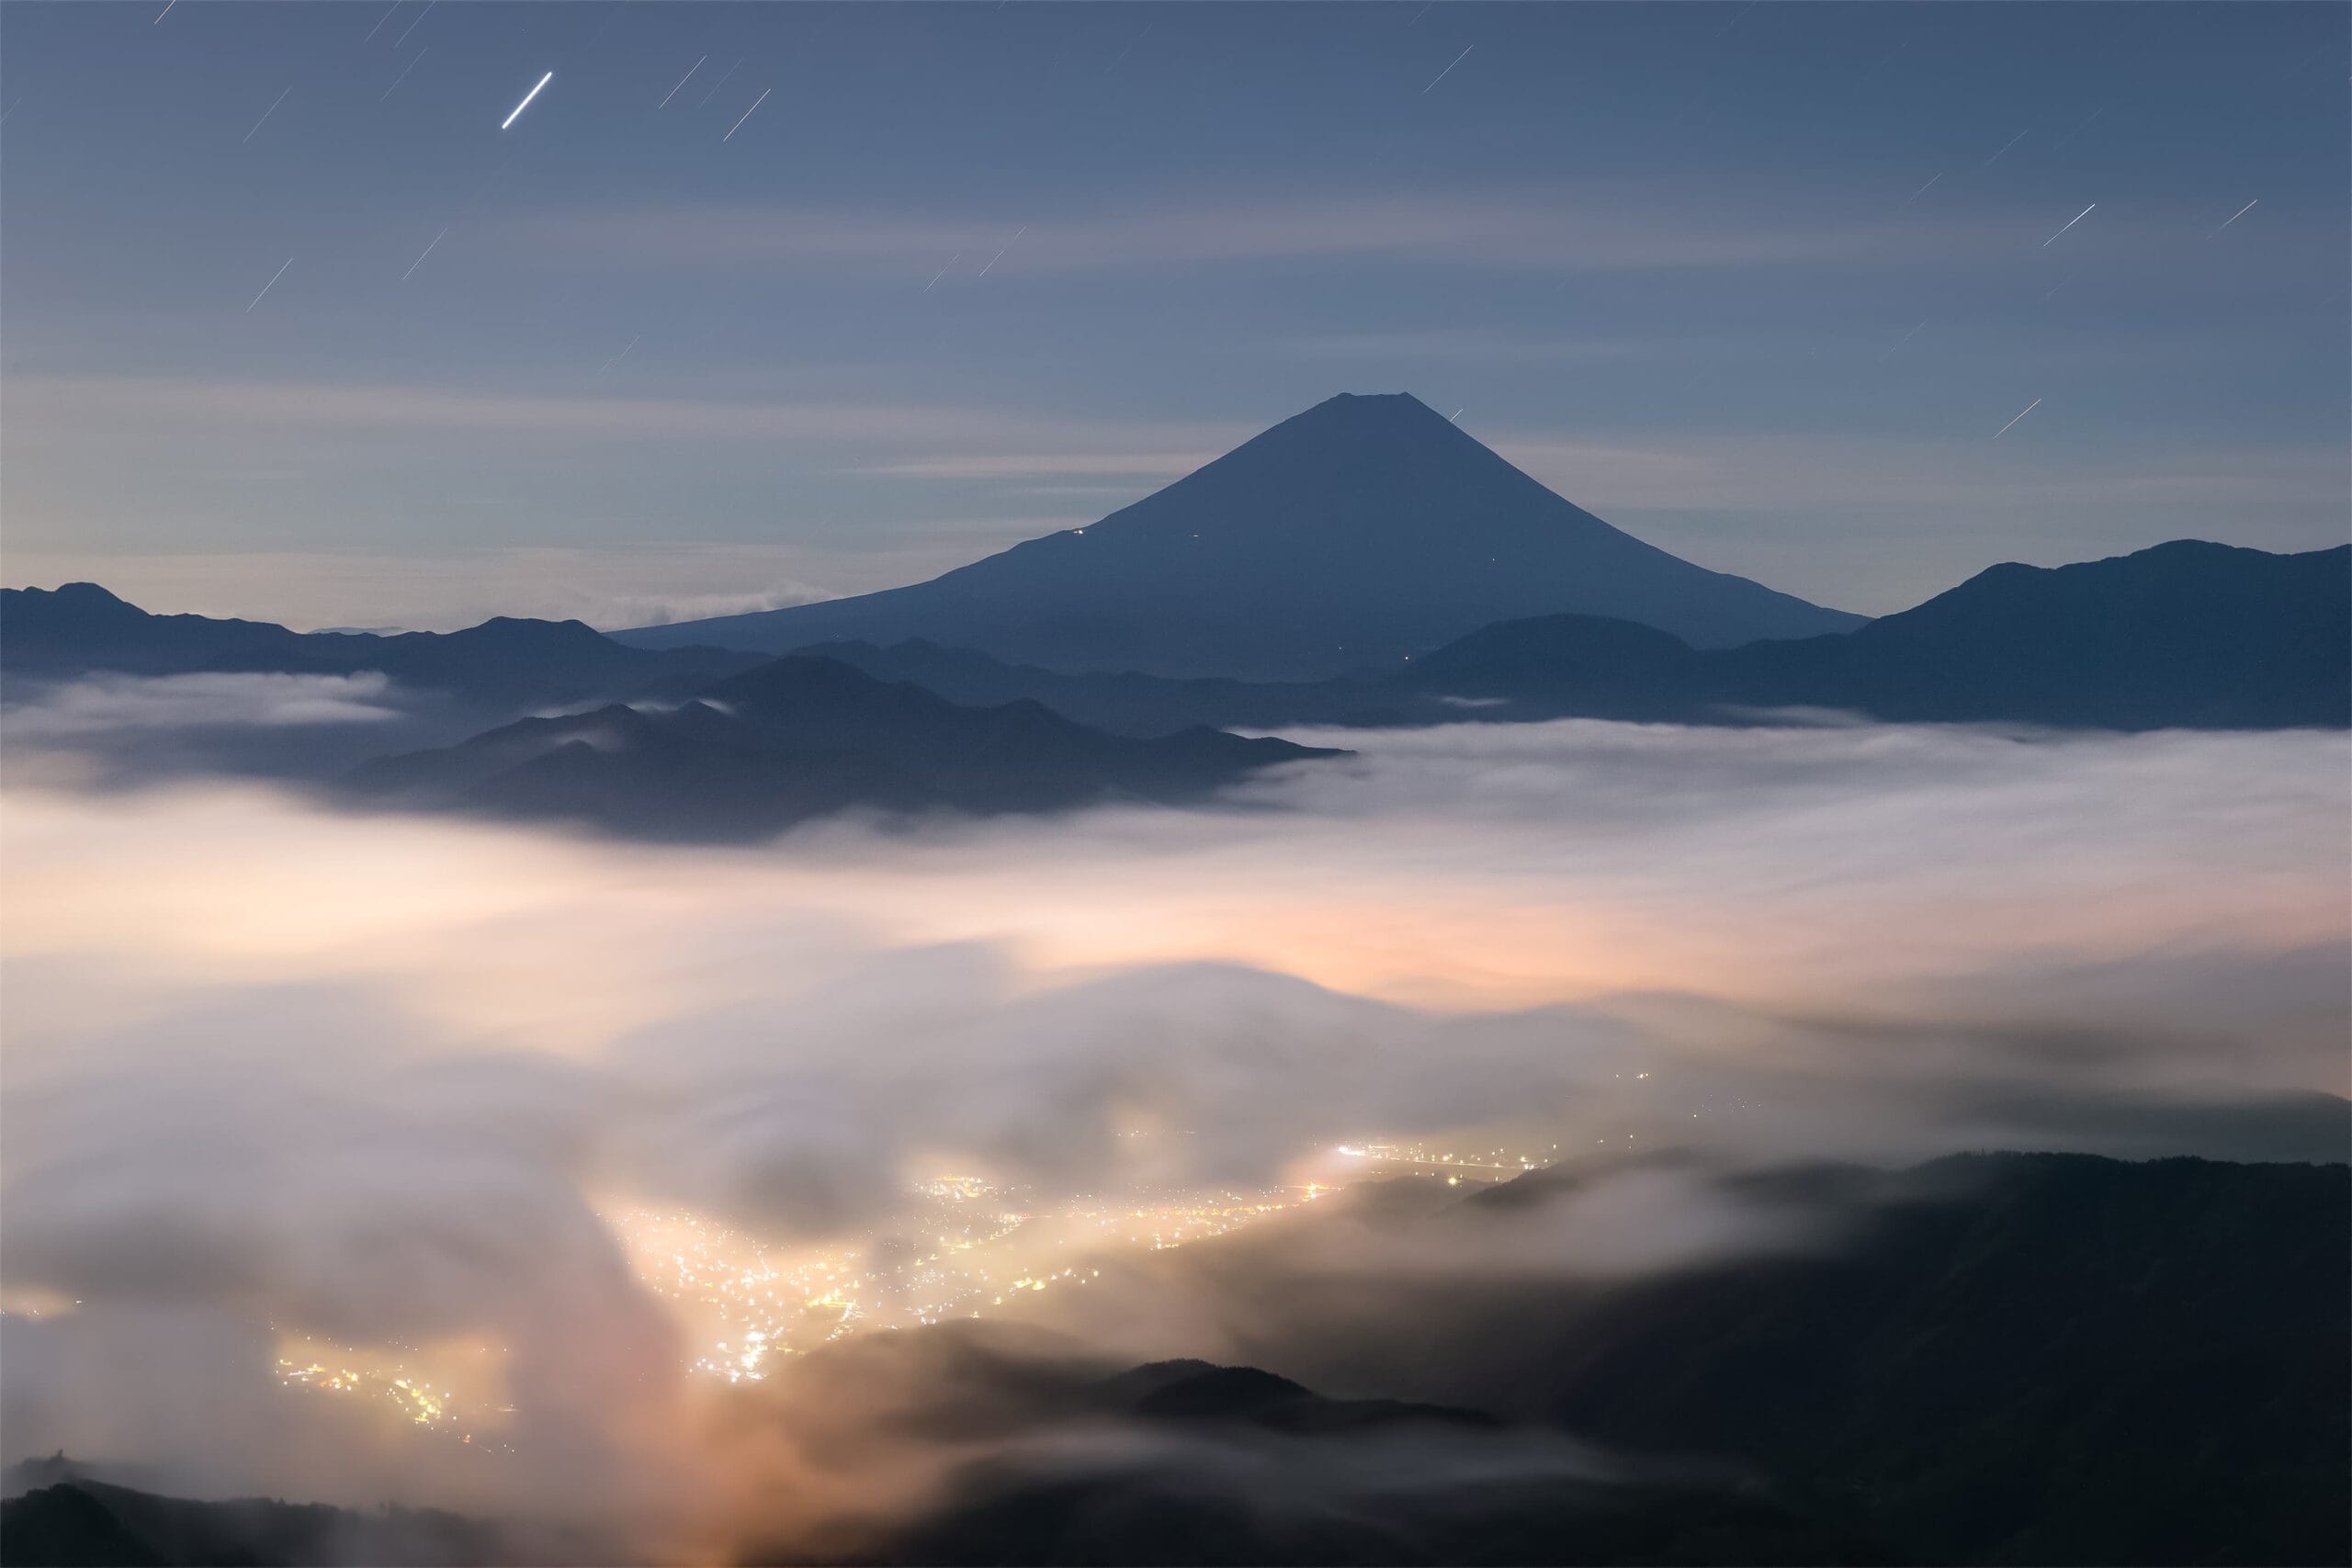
(1759, 283)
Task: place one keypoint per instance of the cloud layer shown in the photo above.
(272, 1070)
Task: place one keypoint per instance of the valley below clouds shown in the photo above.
(441, 1095)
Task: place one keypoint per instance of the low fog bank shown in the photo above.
(1004, 1444)
(270, 1070)
(114, 731)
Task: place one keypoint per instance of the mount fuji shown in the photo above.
(1351, 536)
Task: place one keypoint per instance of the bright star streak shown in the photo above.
(1123, 53)
(1906, 337)
(1442, 76)
(379, 23)
(747, 114)
(2079, 129)
(401, 77)
(2005, 147)
(942, 271)
(2233, 217)
(1008, 245)
(526, 100)
(265, 114)
(270, 285)
(2022, 413)
(421, 255)
(164, 12)
(414, 25)
(2077, 218)
(1922, 190)
(720, 83)
(682, 81)
(617, 358)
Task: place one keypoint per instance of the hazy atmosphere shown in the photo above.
(1103, 784)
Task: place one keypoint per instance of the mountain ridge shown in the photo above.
(800, 737)
(80, 628)
(2186, 634)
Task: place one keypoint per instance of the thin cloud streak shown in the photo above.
(87, 402)
(1516, 230)
(1632, 468)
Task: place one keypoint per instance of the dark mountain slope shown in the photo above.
(1347, 537)
(80, 628)
(1125, 704)
(2187, 633)
(1198, 1391)
(90, 1524)
(2078, 1360)
(1187, 1462)
(1998, 1359)
(799, 738)
(2004, 1359)
(1243, 1505)
(1588, 665)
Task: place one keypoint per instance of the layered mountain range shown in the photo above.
(686, 743)
(82, 629)
(1363, 564)
(799, 738)
(2187, 635)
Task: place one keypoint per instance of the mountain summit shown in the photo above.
(1355, 534)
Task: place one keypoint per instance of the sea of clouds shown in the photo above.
(270, 1067)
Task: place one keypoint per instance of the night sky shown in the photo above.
(757, 303)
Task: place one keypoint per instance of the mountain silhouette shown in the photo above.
(2010, 1358)
(1190, 1390)
(94, 1524)
(81, 629)
(2187, 633)
(2184, 635)
(799, 738)
(1130, 703)
(1348, 537)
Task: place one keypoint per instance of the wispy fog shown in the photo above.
(271, 1070)
(105, 703)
